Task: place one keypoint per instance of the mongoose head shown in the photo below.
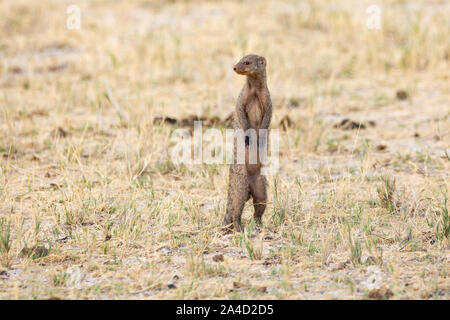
(250, 65)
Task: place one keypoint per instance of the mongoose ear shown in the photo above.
(262, 61)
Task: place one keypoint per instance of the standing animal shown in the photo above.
(253, 111)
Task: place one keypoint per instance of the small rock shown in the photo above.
(218, 258)
(402, 95)
(380, 293)
(347, 124)
(262, 289)
(381, 147)
(167, 120)
(294, 102)
(171, 286)
(57, 67)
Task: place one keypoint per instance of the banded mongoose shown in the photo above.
(253, 111)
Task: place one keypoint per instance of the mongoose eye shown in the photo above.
(247, 63)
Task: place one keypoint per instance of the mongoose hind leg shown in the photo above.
(258, 192)
(238, 194)
(228, 220)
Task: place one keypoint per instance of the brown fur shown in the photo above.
(253, 110)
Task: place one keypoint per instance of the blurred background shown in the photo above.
(176, 56)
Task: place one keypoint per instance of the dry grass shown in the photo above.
(91, 208)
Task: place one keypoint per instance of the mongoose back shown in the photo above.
(253, 111)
